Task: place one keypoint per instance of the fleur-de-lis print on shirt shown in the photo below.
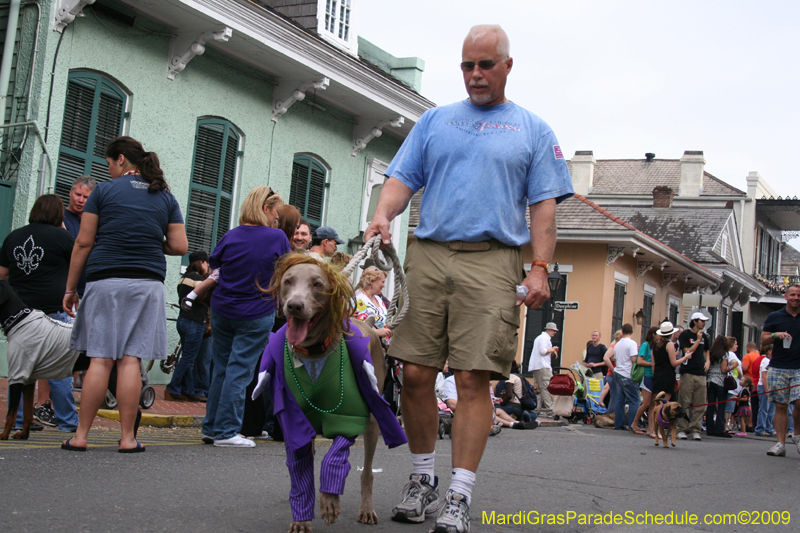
(28, 256)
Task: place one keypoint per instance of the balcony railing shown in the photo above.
(777, 284)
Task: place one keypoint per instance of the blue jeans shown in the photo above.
(625, 391)
(514, 409)
(201, 371)
(191, 333)
(61, 397)
(237, 347)
(715, 414)
(766, 413)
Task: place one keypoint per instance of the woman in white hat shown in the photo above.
(665, 360)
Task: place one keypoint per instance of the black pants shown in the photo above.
(716, 393)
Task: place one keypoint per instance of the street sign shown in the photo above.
(561, 306)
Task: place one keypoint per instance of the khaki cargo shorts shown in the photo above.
(462, 306)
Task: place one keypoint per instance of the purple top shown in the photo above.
(246, 258)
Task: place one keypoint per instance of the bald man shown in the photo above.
(483, 162)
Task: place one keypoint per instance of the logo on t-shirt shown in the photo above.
(28, 256)
(481, 127)
(139, 185)
(557, 152)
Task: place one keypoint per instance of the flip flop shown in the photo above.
(139, 448)
(67, 446)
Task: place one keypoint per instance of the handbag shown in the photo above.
(637, 372)
(561, 385)
(729, 383)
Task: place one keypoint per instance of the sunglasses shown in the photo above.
(484, 64)
(271, 193)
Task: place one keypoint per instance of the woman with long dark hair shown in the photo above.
(128, 224)
(715, 414)
(645, 359)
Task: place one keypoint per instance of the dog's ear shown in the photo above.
(370, 321)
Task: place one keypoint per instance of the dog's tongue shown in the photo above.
(296, 331)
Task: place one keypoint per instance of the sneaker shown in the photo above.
(682, 435)
(420, 498)
(235, 442)
(264, 436)
(45, 415)
(796, 440)
(532, 424)
(697, 436)
(496, 428)
(742, 434)
(207, 439)
(779, 450)
(454, 516)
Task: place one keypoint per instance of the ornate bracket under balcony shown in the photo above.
(282, 105)
(668, 279)
(662, 265)
(67, 11)
(642, 267)
(362, 140)
(689, 288)
(184, 47)
(744, 296)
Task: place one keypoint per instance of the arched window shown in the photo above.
(214, 169)
(94, 113)
(309, 181)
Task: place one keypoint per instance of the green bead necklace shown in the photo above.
(297, 382)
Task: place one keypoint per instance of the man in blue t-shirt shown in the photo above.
(484, 162)
(82, 187)
(783, 373)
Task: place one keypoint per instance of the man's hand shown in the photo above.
(379, 225)
(538, 289)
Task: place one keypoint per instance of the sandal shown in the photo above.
(67, 446)
(139, 448)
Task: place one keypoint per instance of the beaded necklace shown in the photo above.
(297, 382)
(130, 172)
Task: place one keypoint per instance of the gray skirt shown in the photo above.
(122, 317)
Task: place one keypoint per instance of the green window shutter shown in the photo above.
(216, 152)
(307, 193)
(94, 112)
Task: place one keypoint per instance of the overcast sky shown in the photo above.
(625, 77)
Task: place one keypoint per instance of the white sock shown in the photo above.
(422, 463)
(462, 482)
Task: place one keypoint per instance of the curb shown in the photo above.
(160, 421)
(553, 423)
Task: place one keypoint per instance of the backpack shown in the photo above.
(528, 401)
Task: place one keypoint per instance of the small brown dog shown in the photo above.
(667, 415)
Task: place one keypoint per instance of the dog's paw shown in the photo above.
(300, 527)
(329, 507)
(22, 435)
(367, 516)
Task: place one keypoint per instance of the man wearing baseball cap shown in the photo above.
(695, 343)
(323, 243)
(539, 364)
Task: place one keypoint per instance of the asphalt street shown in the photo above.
(181, 485)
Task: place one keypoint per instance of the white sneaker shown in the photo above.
(454, 514)
(682, 435)
(796, 440)
(264, 436)
(420, 498)
(235, 442)
(779, 450)
(697, 436)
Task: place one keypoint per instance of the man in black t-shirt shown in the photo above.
(696, 343)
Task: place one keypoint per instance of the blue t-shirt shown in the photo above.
(481, 166)
(777, 322)
(73, 224)
(246, 258)
(131, 227)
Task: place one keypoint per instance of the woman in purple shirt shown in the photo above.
(241, 314)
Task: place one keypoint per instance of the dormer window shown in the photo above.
(336, 21)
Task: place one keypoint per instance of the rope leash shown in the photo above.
(385, 260)
(736, 399)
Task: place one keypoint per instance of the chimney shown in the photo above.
(583, 171)
(692, 166)
(662, 196)
(649, 156)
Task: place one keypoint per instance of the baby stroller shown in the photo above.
(587, 395)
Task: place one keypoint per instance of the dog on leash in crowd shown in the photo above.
(38, 348)
(667, 415)
(317, 302)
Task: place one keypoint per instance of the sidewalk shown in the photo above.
(161, 414)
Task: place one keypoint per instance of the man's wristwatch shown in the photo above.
(544, 264)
